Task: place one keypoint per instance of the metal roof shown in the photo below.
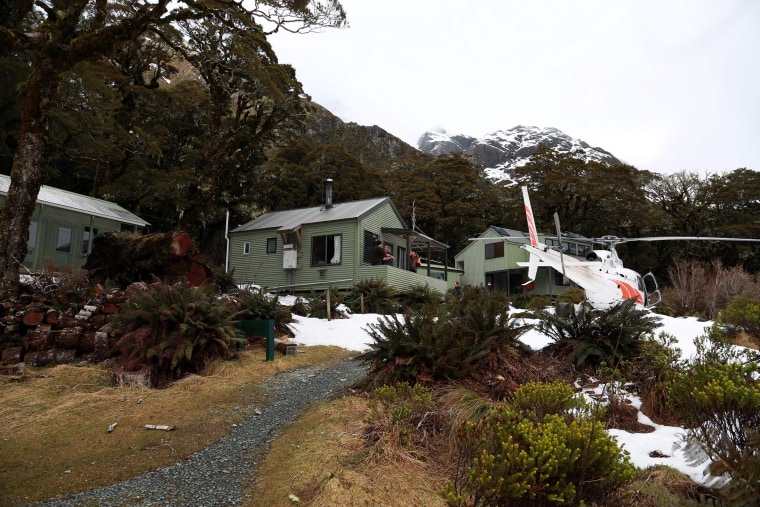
(51, 196)
(291, 220)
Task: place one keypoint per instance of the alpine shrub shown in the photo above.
(741, 314)
(516, 457)
(720, 402)
(372, 296)
(397, 411)
(318, 304)
(417, 297)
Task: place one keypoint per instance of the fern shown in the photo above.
(176, 329)
(594, 336)
(453, 340)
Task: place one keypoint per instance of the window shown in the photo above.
(86, 239)
(32, 241)
(63, 241)
(494, 250)
(246, 248)
(325, 249)
(369, 244)
(402, 259)
(271, 245)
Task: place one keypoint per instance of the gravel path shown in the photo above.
(218, 475)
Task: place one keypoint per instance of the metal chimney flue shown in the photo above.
(328, 193)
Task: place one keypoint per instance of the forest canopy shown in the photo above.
(181, 112)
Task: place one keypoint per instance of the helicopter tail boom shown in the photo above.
(534, 259)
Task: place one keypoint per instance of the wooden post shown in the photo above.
(361, 301)
(327, 302)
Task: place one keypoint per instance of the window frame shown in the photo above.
(494, 250)
(88, 234)
(69, 245)
(271, 245)
(328, 252)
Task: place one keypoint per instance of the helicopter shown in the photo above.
(601, 275)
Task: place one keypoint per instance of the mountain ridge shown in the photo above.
(502, 151)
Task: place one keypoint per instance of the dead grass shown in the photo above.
(55, 421)
(324, 460)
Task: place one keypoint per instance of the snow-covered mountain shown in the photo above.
(504, 150)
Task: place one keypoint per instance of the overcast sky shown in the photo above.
(664, 85)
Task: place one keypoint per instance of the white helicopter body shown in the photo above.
(602, 275)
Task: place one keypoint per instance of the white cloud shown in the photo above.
(665, 86)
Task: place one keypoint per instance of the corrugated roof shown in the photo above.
(52, 196)
(292, 219)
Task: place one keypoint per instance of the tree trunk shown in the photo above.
(27, 174)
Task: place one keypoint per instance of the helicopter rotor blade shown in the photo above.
(616, 240)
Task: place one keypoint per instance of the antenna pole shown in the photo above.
(561, 249)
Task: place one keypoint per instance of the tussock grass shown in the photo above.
(324, 460)
(55, 421)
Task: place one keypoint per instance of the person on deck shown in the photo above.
(414, 261)
(378, 252)
(388, 257)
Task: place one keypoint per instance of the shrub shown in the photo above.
(538, 302)
(721, 404)
(559, 455)
(398, 411)
(375, 295)
(573, 295)
(453, 340)
(417, 297)
(661, 361)
(597, 335)
(741, 314)
(253, 305)
(176, 330)
(318, 304)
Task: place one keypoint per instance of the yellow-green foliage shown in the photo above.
(574, 295)
(537, 400)
(556, 455)
(538, 302)
(722, 404)
(742, 314)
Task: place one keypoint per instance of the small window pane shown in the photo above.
(271, 245)
(63, 243)
(32, 241)
(246, 248)
(86, 239)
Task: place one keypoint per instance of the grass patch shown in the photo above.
(324, 460)
(55, 421)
